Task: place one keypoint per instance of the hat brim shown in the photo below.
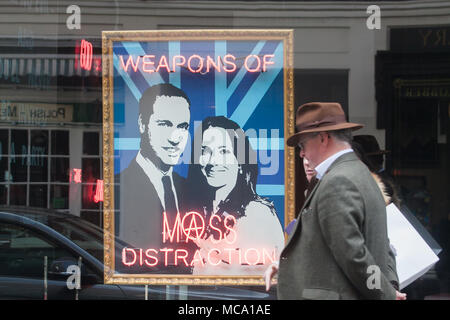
(293, 140)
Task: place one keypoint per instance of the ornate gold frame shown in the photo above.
(108, 37)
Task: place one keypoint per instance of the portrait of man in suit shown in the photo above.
(338, 248)
(149, 188)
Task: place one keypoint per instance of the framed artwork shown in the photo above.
(198, 183)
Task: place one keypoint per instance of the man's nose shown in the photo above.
(175, 137)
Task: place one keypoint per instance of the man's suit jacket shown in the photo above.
(139, 211)
(339, 240)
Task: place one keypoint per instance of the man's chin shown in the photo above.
(170, 161)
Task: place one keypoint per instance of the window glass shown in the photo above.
(22, 253)
(39, 196)
(19, 169)
(60, 142)
(59, 197)
(18, 194)
(4, 140)
(59, 169)
(90, 143)
(19, 142)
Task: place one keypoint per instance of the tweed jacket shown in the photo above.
(339, 244)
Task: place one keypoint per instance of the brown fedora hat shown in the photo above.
(369, 145)
(319, 117)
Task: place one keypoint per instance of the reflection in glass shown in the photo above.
(4, 173)
(18, 195)
(4, 138)
(3, 194)
(19, 169)
(88, 196)
(60, 142)
(91, 170)
(39, 142)
(90, 143)
(59, 197)
(38, 169)
(39, 196)
(59, 170)
(92, 216)
(19, 142)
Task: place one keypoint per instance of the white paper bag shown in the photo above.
(413, 255)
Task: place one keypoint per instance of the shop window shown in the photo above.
(4, 139)
(59, 197)
(59, 171)
(91, 143)
(18, 194)
(19, 169)
(3, 194)
(60, 142)
(92, 191)
(39, 196)
(19, 142)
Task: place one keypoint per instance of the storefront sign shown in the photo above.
(423, 39)
(197, 182)
(35, 113)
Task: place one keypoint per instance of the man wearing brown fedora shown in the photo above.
(339, 247)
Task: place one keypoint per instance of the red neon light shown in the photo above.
(167, 235)
(166, 251)
(200, 64)
(148, 65)
(86, 51)
(227, 62)
(149, 257)
(193, 226)
(197, 257)
(209, 256)
(98, 192)
(75, 175)
(183, 257)
(214, 228)
(155, 262)
(178, 64)
(163, 64)
(232, 231)
(267, 62)
(194, 63)
(246, 63)
(130, 60)
(210, 62)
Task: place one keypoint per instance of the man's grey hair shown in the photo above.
(343, 135)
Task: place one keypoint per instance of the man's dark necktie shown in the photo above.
(169, 197)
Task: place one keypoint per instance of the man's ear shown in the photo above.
(141, 125)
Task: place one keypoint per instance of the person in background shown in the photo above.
(342, 230)
(369, 151)
(310, 174)
(362, 155)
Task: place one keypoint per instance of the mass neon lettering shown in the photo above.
(169, 256)
(195, 63)
(194, 224)
(192, 228)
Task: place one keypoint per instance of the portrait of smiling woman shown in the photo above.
(244, 233)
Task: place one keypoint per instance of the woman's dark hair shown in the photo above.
(202, 194)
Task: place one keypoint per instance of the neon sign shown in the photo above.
(75, 175)
(98, 192)
(192, 228)
(84, 55)
(196, 64)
